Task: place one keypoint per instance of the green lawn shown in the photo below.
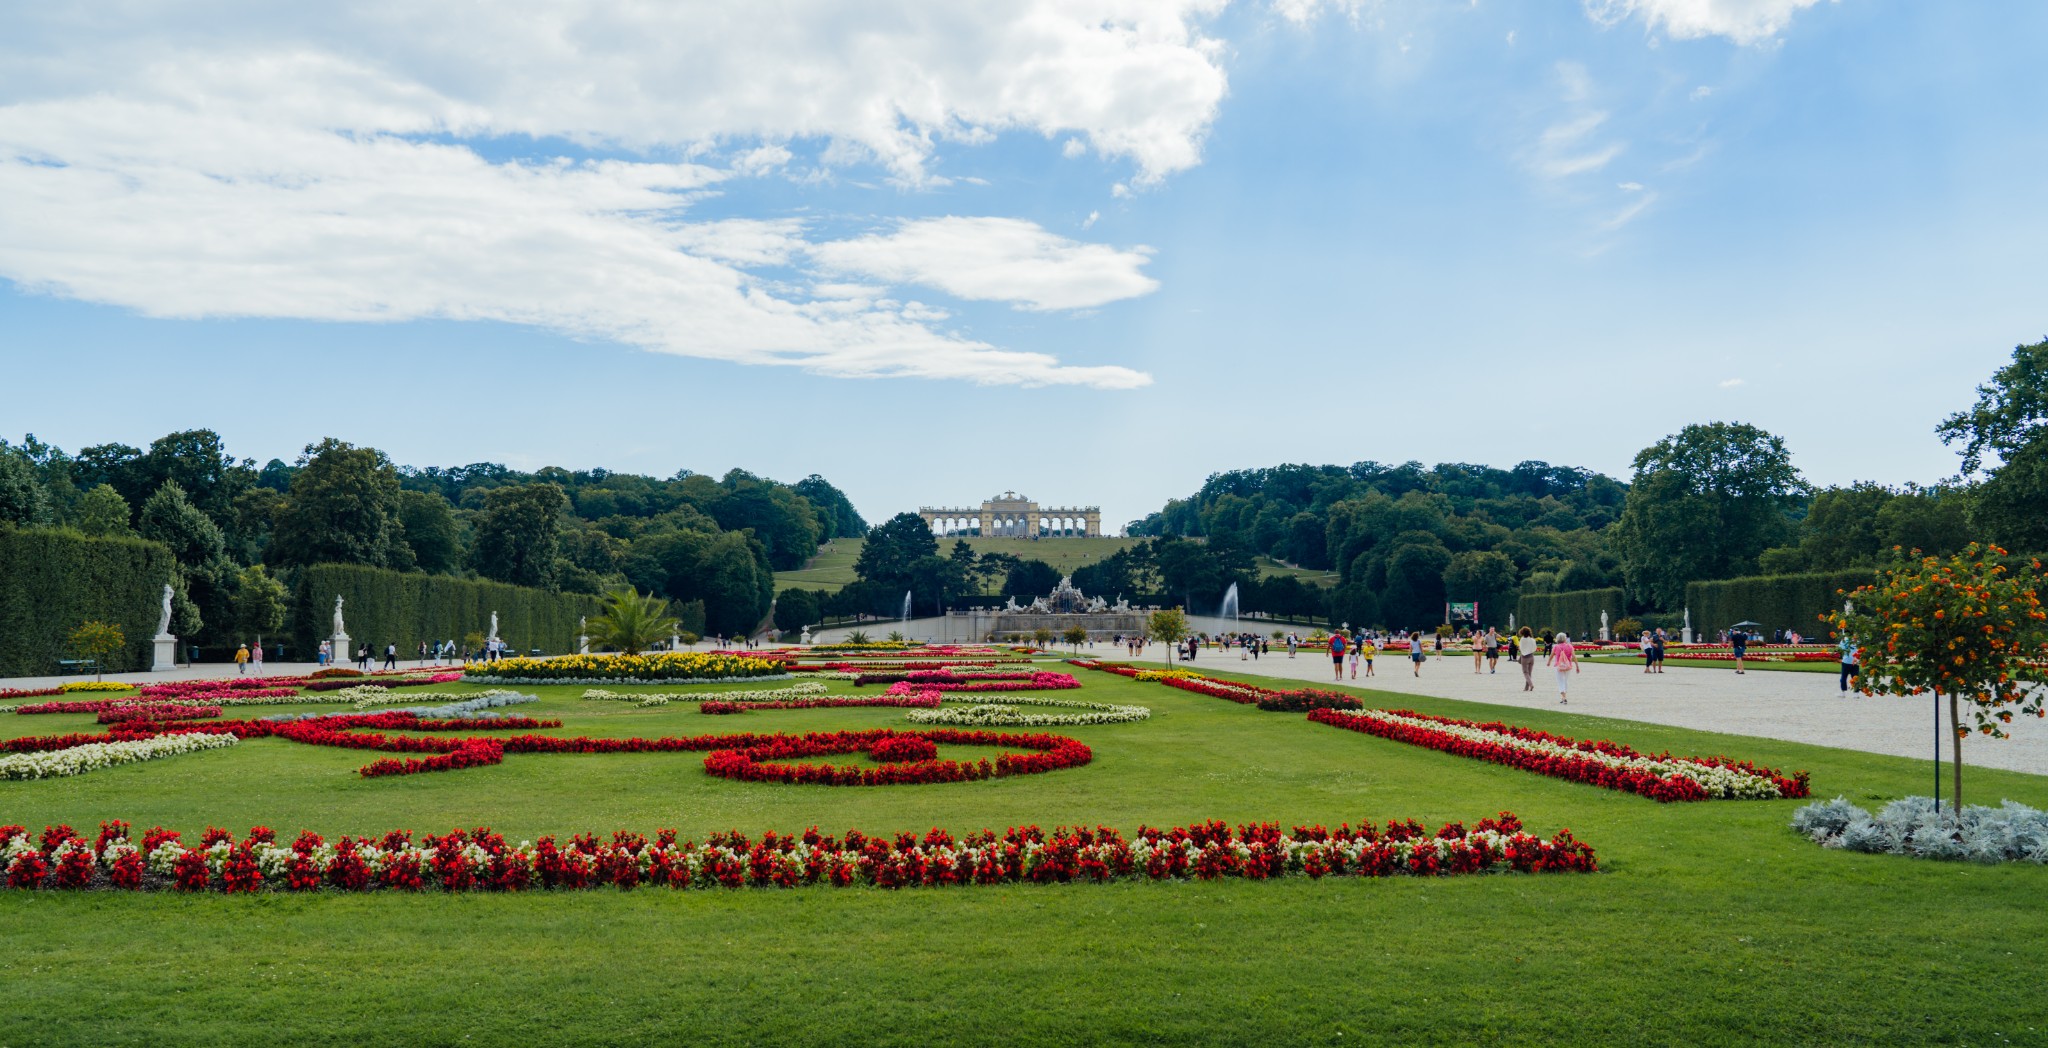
(1270, 568)
(1712, 923)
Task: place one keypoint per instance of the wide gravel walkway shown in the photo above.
(1774, 704)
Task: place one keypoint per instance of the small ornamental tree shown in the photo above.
(96, 640)
(1075, 636)
(1169, 627)
(1965, 627)
(1041, 637)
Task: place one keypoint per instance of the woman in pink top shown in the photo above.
(1566, 662)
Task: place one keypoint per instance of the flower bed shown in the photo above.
(450, 677)
(28, 693)
(92, 756)
(1044, 680)
(1006, 714)
(794, 691)
(919, 700)
(1662, 777)
(659, 668)
(1296, 700)
(480, 860)
(158, 713)
(96, 685)
(768, 761)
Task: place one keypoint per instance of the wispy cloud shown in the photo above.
(1730, 383)
(1743, 21)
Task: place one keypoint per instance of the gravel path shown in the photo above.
(1774, 704)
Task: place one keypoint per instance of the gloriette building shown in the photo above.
(1011, 515)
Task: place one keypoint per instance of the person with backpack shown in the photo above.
(1337, 656)
(1565, 660)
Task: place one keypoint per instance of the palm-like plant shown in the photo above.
(630, 622)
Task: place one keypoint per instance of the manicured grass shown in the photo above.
(1270, 568)
(1712, 923)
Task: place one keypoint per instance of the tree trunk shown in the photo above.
(1956, 750)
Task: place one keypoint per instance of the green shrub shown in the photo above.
(1576, 612)
(51, 580)
(405, 608)
(1794, 602)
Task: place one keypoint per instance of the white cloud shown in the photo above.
(1120, 191)
(1089, 222)
(1302, 12)
(1563, 149)
(1701, 92)
(1511, 38)
(241, 163)
(1629, 212)
(1074, 148)
(1629, 187)
(994, 259)
(1730, 383)
(1743, 21)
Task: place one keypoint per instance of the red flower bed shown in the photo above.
(27, 693)
(76, 706)
(903, 748)
(1298, 700)
(1581, 766)
(337, 685)
(158, 713)
(925, 700)
(482, 860)
(767, 761)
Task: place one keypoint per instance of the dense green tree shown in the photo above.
(1355, 604)
(1414, 593)
(893, 548)
(198, 461)
(260, 603)
(342, 509)
(22, 497)
(1934, 521)
(1031, 577)
(427, 522)
(2007, 422)
(103, 512)
(206, 576)
(1487, 577)
(516, 535)
(835, 511)
(1705, 502)
(254, 521)
(782, 520)
(795, 609)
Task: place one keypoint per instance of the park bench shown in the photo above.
(69, 666)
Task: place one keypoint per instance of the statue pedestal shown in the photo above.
(343, 654)
(166, 653)
(583, 645)
(1685, 637)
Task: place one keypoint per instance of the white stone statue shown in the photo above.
(338, 630)
(494, 627)
(807, 635)
(166, 655)
(163, 621)
(1685, 635)
(582, 634)
(1010, 604)
(1511, 622)
(1603, 624)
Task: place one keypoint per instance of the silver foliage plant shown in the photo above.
(2011, 832)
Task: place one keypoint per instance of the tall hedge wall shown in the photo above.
(52, 580)
(1576, 613)
(404, 608)
(1777, 601)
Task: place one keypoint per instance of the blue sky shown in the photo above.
(1090, 251)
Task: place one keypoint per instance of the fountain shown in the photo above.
(1229, 609)
(906, 606)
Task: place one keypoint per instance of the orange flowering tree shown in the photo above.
(1964, 627)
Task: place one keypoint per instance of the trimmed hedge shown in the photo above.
(1576, 612)
(52, 579)
(1794, 602)
(405, 608)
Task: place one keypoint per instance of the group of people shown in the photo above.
(1351, 649)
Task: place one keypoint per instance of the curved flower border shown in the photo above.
(1609, 764)
(1006, 714)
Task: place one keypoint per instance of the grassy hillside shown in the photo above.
(833, 567)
